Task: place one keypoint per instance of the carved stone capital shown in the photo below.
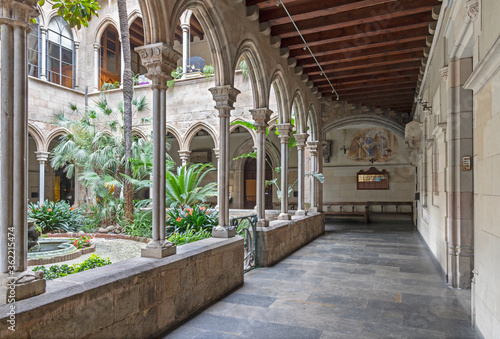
(261, 117)
(284, 132)
(216, 152)
(472, 7)
(301, 139)
(18, 12)
(224, 97)
(160, 60)
(312, 146)
(444, 73)
(427, 111)
(42, 156)
(184, 155)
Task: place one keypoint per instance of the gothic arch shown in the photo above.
(53, 14)
(251, 131)
(312, 123)
(37, 136)
(59, 131)
(215, 32)
(246, 147)
(297, 105)
(281, 91)
(133, 15)
(140, 133)
(42, 18)
(248, 50)
(368, 120)
(195, 128)
(102, 27)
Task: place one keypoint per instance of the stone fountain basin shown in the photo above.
(51, 247)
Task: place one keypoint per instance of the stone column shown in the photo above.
(75, 65)
(184, 155)
(261, 117)
(43, 71)
(42, 158)
(301, 145)
(97, 66)
(216, 152)
(225, 97)
(159, 59)
(185, 47)
(312, 146)
(460, 198)
(14, 20)
(284, 135)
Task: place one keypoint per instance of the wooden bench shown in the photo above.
(365, 209)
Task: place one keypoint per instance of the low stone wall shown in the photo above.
(282, 238)
(136, 298)
(61, 258)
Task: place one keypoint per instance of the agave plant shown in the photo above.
(184, 189)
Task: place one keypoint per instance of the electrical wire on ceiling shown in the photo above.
(307, 46)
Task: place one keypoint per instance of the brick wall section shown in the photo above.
(136, 298)
(282, 238)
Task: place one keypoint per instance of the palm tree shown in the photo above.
(128, 92)
(184, 189)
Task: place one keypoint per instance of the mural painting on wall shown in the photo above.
(373, 144)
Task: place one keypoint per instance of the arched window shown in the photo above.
(60, 53)
(34, 57)
(110, 57)
(136, 40)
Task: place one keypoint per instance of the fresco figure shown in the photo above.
(372, 144)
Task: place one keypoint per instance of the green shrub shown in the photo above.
(197, 218)
(142, 225)
(55, 216)
(57, 271)
(189, 236)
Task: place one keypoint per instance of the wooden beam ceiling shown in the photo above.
(371, 50)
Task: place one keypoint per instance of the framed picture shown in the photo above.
(201, 156)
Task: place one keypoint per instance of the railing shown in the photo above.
(247, 228)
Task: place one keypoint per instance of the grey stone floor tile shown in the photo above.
(356, 281)
(249, 299)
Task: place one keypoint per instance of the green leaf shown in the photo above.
(246, 124)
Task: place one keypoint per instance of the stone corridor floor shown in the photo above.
(356, 281)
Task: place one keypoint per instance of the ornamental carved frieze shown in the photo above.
(224, 97)
(472, 9)
(160, 60)
(16, 12)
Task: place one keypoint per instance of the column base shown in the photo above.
(313, 210)
(26, 286)
(223, 232)
(301, 212)
(284, 216)
(158, 252)
(263, 223)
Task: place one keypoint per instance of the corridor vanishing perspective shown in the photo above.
(358, 280)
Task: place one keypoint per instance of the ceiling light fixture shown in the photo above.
(307, 46)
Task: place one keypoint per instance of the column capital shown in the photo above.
(216, 152)
(160, 60)
(77, 44)
(312, 146)
(18, 12)
(185, 27)
(183, 154)
(224, 97)
(42, 156)
(96, 46)
(284, 131)
(261, 118)
(43, 30)
(301, 139)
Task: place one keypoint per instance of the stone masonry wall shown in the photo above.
(282, 238)
(137, 298)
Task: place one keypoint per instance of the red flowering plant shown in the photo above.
(81, 242)
(197, 218)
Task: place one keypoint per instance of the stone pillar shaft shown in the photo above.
(301, 143)
(313, 150)
(14, 17)
(159, 59)
(97, 67)
(43, 71)
(284, 135)
(261, 117)
(185, 47)
(42, 158)
(225, 97)
(460, 198)
(75, 66)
